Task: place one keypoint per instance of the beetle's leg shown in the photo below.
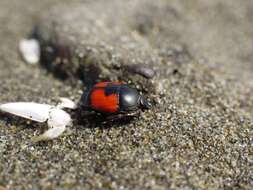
(66, 103)
(58, 120)
(118, 117)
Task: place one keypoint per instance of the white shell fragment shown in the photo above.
(50, 134)
(57, 119)
(30, 50)
(29, 110)
(67, 103)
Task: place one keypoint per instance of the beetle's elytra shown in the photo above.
(113, 98)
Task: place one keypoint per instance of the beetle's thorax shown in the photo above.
(128, 99)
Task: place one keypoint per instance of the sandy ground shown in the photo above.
(198, 134)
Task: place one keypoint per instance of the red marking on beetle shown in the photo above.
(101, 102)
(104, 84)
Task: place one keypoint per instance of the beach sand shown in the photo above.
(194, 62)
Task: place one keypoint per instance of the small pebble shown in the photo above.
(30, 50)
(141, 69)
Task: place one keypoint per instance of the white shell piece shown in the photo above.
(30, 50)
(58, 118)
(33, 111)
(50, 134)
(67, 103)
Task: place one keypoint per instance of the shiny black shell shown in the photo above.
(111, 98)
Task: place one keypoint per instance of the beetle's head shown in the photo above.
(131, 100)
(143, 103)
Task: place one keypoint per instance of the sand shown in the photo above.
(191, 59)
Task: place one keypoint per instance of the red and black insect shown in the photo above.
(113, 98)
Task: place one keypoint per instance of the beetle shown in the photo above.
(113, 98)
(109, 98)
